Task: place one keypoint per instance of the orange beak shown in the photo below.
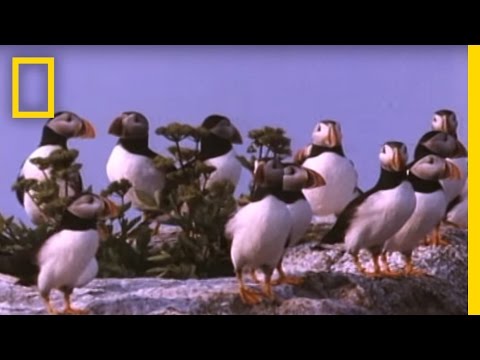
(112, 210)
(452, 171)
(87, 131)
(333, 138)
(397, 162)
(314, 179)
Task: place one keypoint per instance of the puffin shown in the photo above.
(216, 149)
(446, 146)
(326, 156)
(65, 260)
(445, 120)
(296, 178)
(261, 229)
(431, 202)
(132, 159)
(376, 215)
(56, 132)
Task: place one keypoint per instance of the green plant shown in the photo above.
(265, 142)
(201, 250)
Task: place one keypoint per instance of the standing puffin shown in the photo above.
(326, 156)
(66, 259)
(56, 133)
(132, 159)
(261, 229)
(424, 175)
(216, 149)
(457, 211)
(446, 146)
(376, 215)
(296, 178)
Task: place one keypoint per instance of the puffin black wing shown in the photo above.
(19, 193)
(453, 203)
(337, 233)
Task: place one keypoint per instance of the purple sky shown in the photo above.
(377, 93)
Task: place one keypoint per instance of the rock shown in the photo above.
(332, 287)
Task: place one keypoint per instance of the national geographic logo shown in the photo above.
(16, 62)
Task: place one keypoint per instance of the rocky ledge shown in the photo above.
(332, 287)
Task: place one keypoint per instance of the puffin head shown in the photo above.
(327, 133)
(130, 125)
(268, 173)
(70, 125)
(445, 120)
(433, 167)
(296, 178)
(393, 156)
(442, 144)
(222, 127)
(90, 206)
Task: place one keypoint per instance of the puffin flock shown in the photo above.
(404, 209)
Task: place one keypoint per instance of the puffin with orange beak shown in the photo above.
(448, 147)
(424, 175)
(66, 259)
(376, 215)
(326, 156)
(57, 131)
(457, 210)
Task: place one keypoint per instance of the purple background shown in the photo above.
(378, 93)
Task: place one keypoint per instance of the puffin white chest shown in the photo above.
(65, 257)
(453, 188)
(380, 216)
(227, 168)
(259, 231)
(341, 180)
(139, 170)
(31, 171)
(429, 211)
(301, 214)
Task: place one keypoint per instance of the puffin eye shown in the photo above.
(431, 160)
(384, 149)
(68, 119)
(319, 127)
(90, 200)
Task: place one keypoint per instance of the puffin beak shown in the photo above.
(301, 156)
(314, 179)
(460, 151)
(452, 171)
(397, 161)
(112, 210)
(236, 137)
(88, 130)
(333, 137)
(116, 128)
(444, 126)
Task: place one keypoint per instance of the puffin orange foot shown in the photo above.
(290, 280)
(75, 311)
(250, 296)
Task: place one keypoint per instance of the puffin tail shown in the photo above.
(20, 266)
(331, 238)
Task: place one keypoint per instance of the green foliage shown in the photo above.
(125, 242)
(265, 142)
(201, 212)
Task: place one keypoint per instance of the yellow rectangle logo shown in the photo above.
(16, 62)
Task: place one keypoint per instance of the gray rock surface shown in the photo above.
(332, 286)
